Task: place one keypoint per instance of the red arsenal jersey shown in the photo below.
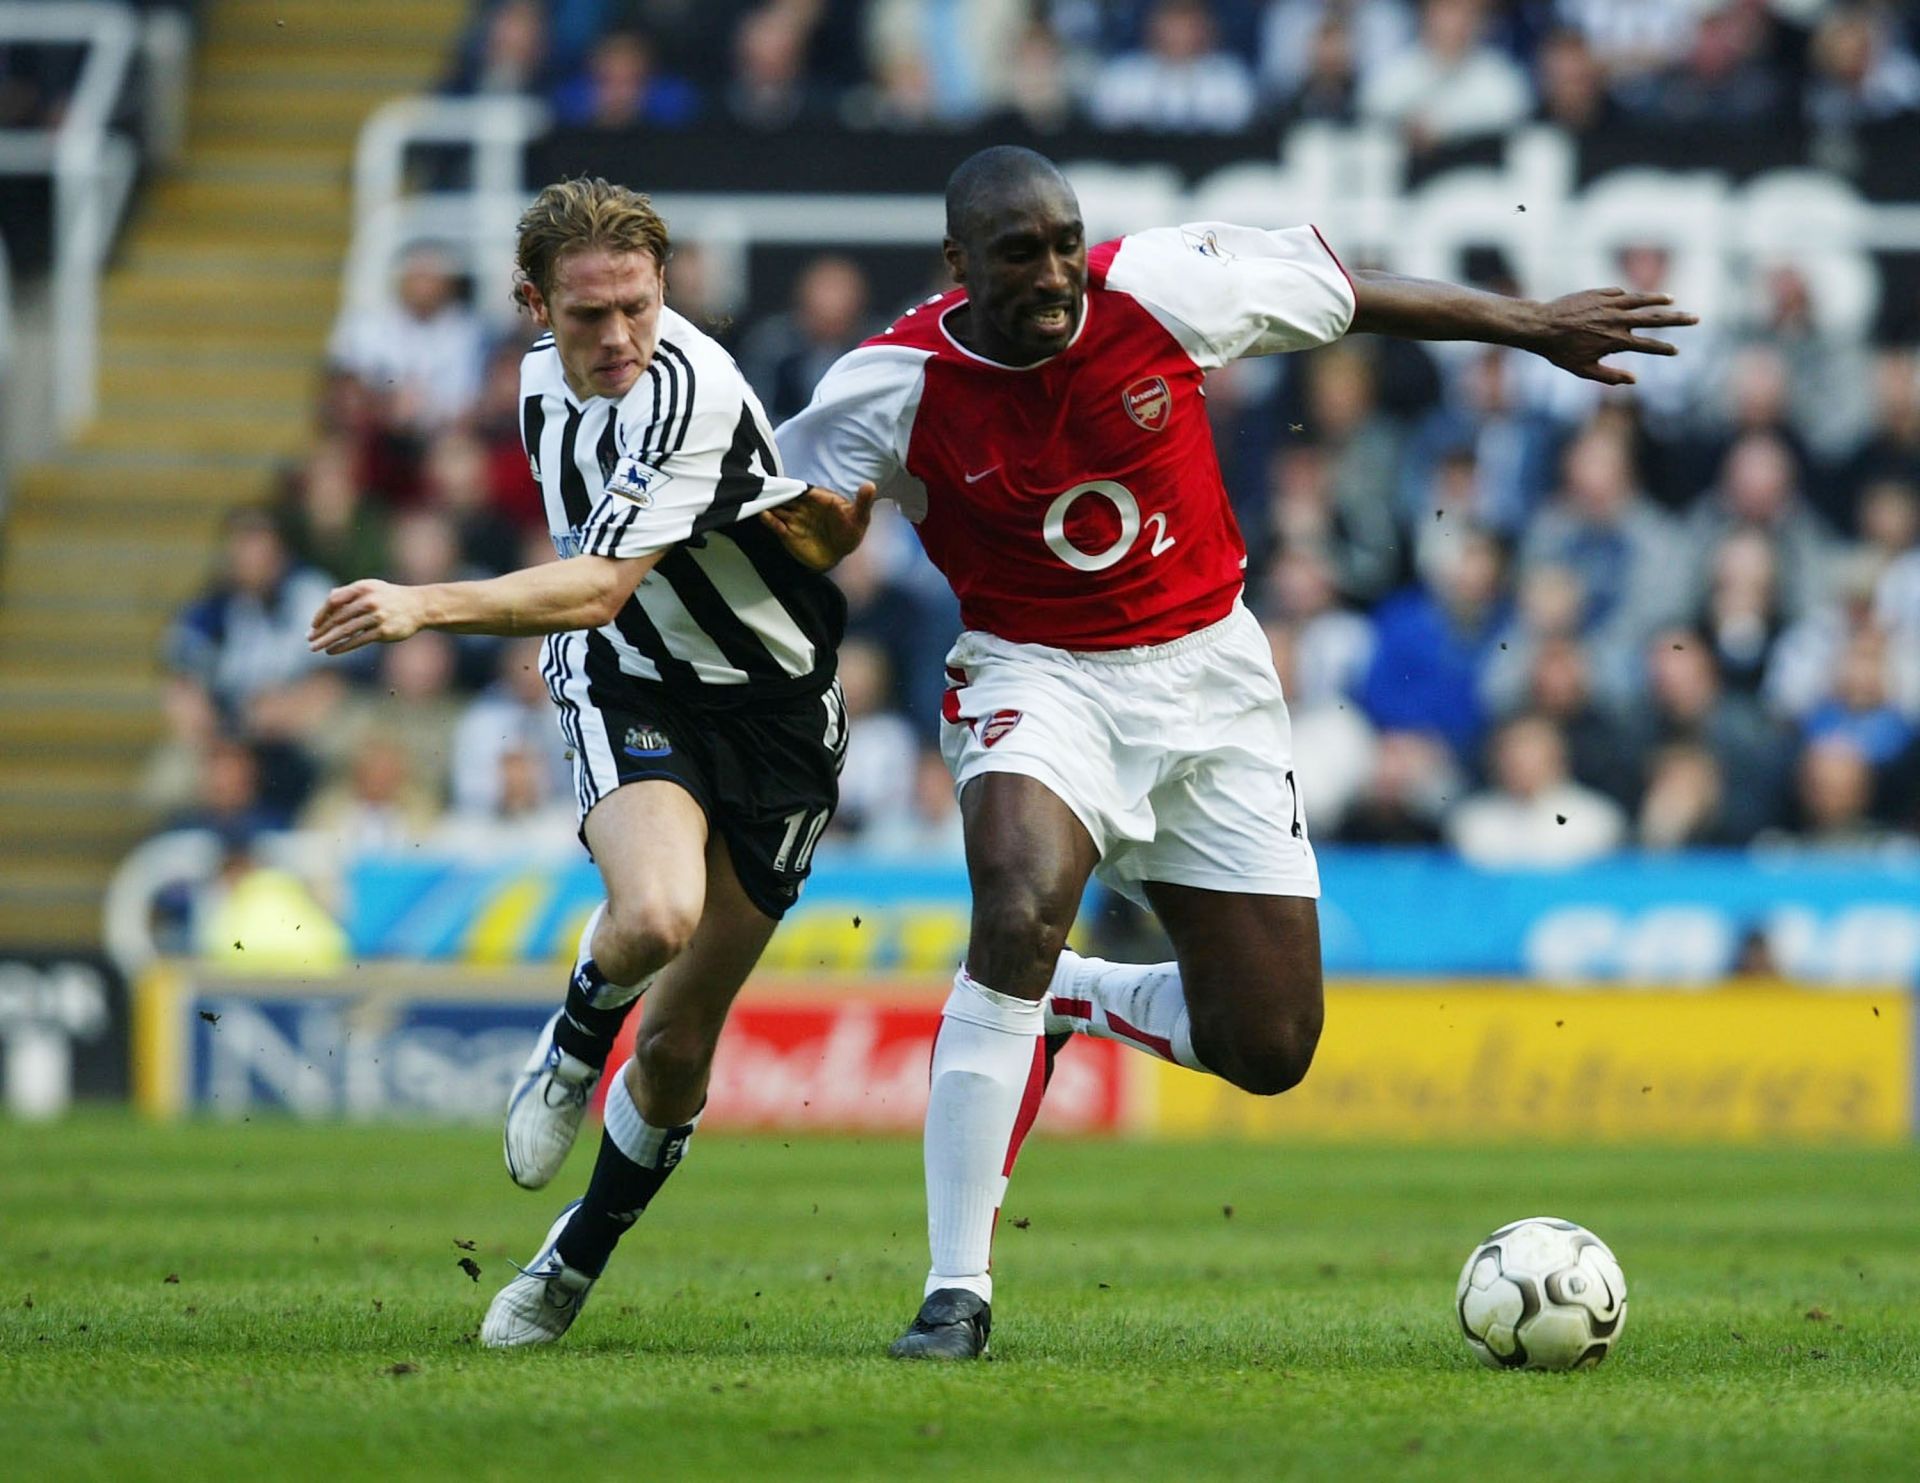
(1077, 502)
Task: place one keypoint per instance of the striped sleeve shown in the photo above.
(690, 452)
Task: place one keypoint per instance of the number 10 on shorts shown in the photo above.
(803, 831)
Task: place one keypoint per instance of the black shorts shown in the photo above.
(767, 776)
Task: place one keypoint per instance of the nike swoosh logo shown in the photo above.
(976, 478)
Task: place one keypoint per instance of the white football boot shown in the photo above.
(548, 1101)
(540, 1304)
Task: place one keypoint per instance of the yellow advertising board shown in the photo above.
(1453, 1061)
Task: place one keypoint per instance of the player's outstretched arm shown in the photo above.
(580, 592)
(820, 528)
(1574, 332)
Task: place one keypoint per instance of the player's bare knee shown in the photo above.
(1274, 1056)
(641, 937)
(1014, 946)
(673, 1056)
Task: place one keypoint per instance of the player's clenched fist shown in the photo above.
(361, 613)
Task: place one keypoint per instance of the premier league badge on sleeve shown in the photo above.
(636, 481)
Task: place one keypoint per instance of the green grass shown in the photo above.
(1143, 1332)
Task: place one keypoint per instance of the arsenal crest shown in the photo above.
(1149, 403)
(997, 725)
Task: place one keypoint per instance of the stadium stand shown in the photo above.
(214, 320)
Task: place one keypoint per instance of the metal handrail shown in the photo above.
(92, 171)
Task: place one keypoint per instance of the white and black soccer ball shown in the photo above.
(1541, 1294)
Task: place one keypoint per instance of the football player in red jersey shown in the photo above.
(1112, 706)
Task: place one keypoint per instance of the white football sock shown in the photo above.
(989, 1066)
(1142, 1005)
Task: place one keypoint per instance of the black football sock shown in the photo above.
(587, 1029)
(635, 1160)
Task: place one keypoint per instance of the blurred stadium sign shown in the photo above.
(1682, 919)
(446, 1043)
(1740, 1063)
(63, 1032)
(1428, 1059)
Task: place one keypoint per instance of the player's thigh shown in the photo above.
(650, 841)
(1250, 969)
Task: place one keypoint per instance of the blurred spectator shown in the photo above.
(1599, 744)
(510, 485)
(1535, 815)
(784, 356)
(504, 51)
(426, 548)
(514, 713)
(1891, 449)
(454, 482)
(227, 798)
(623, 87)
(962, 49)
(1306, 44)
(1339, 496)
(877, 781)
(1889, 524)
(420, 356)
(262, 919)
(1834, 793)
(1511, 446)
(1759, 492)
(1333, 743)
(1549, 603)
(928, 828)
(1449, 85)
(1741, 615)
(1629, 558)
(248, 632)
(1180, 82)
(330, 522)
(1859, 710)
(1682, 806)
(1862, 72)
(1432, 642)
(1630, 37)
(898, 603)
(1821, 406)
(1329, 91)
(1572, 81)
(1724, 79)
(1040, 88)
(1687, 702)
(770, 88)
(1812, 653)
(1329, 648)
(411, 702)
(525, 821)
(377, 806)
(1405, 795)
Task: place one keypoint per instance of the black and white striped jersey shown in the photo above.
(685, 460)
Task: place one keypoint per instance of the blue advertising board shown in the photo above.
(1675, 919)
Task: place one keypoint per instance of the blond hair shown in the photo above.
(573, 214)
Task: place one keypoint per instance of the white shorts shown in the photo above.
(1178, 758)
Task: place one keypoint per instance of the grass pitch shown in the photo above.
(269, 1300)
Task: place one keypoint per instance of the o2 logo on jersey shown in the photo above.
(1054, 527)
(1148, 402)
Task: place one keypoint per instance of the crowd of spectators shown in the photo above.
(1514, 613)
(1439, 70)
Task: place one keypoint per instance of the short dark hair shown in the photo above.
(984, 176)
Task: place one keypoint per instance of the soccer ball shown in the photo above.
(1541, 1294)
